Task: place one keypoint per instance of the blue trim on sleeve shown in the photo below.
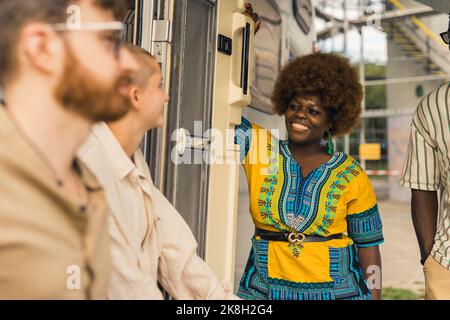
(366, 228)
(370, 244)
(243, 137)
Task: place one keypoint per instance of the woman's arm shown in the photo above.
(370, 260)
(365, 228)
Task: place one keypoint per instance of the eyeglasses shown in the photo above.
(119, 27)
(445, 37)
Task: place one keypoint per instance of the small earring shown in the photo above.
(330, 144)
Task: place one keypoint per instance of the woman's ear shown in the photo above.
(330, 128)
(328, 132)
(134, 97)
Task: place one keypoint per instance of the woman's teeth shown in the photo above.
(299, 127)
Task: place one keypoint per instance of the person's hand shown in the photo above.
(255, 17)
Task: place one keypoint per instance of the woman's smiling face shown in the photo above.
(306, 120)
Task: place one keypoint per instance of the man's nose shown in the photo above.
(127, 62)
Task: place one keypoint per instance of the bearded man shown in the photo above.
(58, 79)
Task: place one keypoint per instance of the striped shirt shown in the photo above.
(427, 161)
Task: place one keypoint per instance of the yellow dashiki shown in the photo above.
(335, 198)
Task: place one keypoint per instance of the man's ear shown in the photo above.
(134, 97)
(41, 48)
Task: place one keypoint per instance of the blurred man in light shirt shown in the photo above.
(151, 243)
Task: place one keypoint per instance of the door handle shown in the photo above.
(245, 64)
(185, 141)
(242, 29)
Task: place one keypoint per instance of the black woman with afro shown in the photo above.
(317, 224)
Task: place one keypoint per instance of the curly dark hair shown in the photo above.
(328, 76)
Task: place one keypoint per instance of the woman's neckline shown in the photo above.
(326, 163)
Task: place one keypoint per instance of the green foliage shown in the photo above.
(400, 294)
(375, 95)
(375, 71)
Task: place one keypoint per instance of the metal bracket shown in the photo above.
(161, 37)
(162, 31)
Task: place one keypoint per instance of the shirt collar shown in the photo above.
(141, 165)
(122, 165)
(88, 179)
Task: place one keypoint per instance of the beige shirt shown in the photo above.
(427, 162)
(51, 246)
(151, 243)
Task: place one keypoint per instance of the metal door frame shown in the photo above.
(174, 112)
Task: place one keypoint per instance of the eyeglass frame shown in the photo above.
(445, 37)
(96, 26)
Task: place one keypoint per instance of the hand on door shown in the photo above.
(255, 17)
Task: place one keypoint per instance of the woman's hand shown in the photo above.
(255, 17)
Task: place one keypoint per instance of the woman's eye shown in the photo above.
(294, 107)
(314, 112)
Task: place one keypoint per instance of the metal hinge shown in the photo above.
(161, 37)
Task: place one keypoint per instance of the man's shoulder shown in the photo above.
(91, 152)
(436, 98)
(93, 155)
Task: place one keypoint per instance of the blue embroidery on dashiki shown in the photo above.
(243, 137)
(355, 268)
(268, 186)
(290, 198)
(349, 280)
(253, 285)
(286, 290)
(286, 185)
(313, 189)
(345, 282)
(365, 228)
(337, 188)
(265, 201)
(298, 208)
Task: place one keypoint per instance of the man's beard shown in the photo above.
(78, 93)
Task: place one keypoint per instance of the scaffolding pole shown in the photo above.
(362, 75)
(346, 27)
